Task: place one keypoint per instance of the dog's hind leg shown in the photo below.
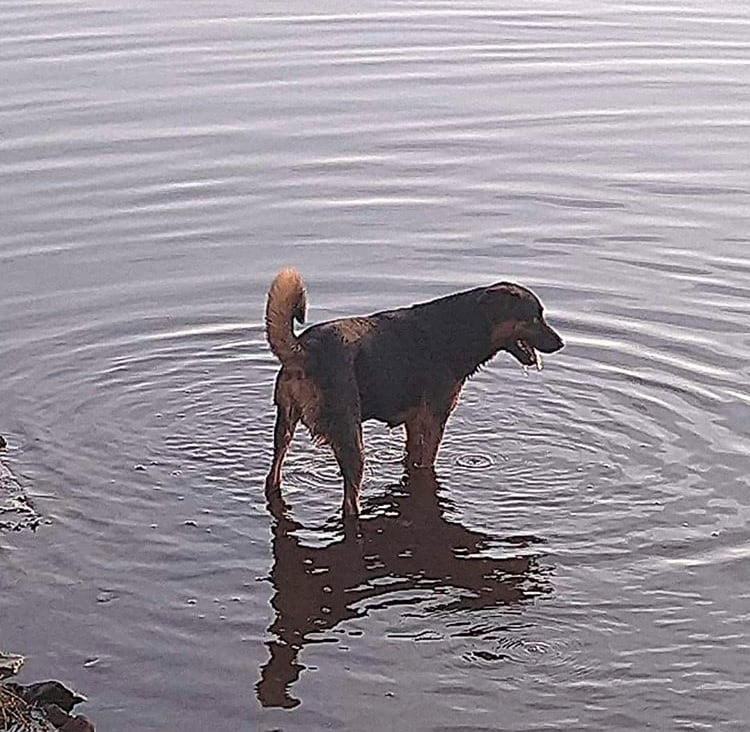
(286, 421)
(348, 449)
(338, 419)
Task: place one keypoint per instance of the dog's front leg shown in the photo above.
(425, 425)
(424, 432)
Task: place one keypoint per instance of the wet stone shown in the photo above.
(39, 707)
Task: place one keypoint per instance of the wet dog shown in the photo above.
(404, 366)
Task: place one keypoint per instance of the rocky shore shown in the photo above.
(16, 510)
(45, 706)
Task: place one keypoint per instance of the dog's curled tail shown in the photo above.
(287, 301)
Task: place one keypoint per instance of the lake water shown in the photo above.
(583, 561)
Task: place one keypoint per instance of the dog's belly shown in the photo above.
(389, 390)
(392, 414)
(393, 402)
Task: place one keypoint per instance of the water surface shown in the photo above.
(581, 561)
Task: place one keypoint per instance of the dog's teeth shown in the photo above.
(539, 363)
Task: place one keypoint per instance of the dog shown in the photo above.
(402, 367)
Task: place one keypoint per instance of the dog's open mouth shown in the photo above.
(525, 353)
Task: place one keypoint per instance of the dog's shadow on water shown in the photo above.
(402, 543)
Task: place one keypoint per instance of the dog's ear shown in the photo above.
(499, 289)
(503, 301)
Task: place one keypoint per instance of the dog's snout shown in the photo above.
(548, 341)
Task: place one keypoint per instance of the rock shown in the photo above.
(39, 707)
(50, 692)
(79, 723)
(56, 715)
(10, 664)
(16, 510)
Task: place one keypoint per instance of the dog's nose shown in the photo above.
(549, 342)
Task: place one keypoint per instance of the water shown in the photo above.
(582, 562)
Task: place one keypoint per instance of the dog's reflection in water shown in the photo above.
(403, 538)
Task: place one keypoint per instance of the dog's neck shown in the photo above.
(461, 333)
(467, 357)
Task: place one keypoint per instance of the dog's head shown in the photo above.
(517, 322)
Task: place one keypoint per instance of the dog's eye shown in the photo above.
(536, 320)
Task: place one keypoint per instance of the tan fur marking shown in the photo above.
(352, 329)
(296, 390)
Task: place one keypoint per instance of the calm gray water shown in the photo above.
(583, 561)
